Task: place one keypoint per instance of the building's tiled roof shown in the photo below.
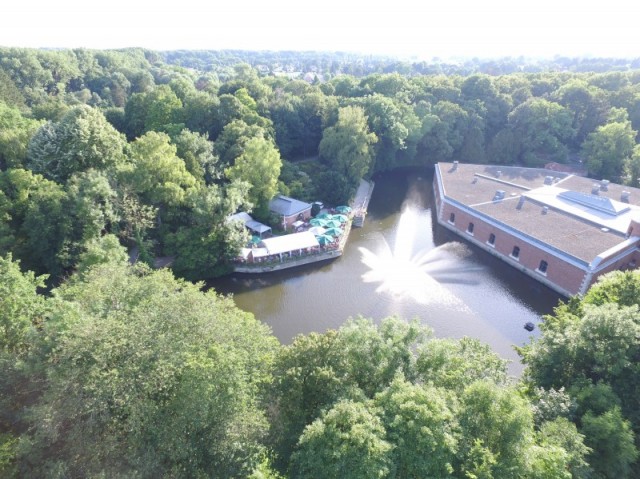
(283, 205)
(577, 230)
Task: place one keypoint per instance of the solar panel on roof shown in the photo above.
(599, 203)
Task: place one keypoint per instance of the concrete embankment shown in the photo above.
(288, 263)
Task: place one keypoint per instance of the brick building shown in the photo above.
(562, 230)
(289, 210)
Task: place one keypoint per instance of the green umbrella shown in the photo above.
(332, 224)
(333, 231)
(343, 209)
(324, 239)
(323, 216)
(317, 222)
(340, 218)
(255, 240)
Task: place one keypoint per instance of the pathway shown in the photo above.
(360, 202)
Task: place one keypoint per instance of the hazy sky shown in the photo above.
(409, 28)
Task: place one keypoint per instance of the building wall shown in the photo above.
(560, 275)
(563, 276)
(629, 259)
(304, 215)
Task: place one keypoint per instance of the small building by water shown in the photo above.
(289, 210)
(561, 229)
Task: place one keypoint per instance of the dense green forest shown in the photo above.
(123, 371)
(119, 370)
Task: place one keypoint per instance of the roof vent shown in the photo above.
(595, 188)
(624, 196)
(545, 210)
(548, 180)
(498, 174)
(455, 166)
(499, 195)
(520, 203)
(604, 185)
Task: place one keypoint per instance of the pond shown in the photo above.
(401, 263)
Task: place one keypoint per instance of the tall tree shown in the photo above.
(632, 168)
(589, 347)
(156, 172)
(150, 377)
(386, 121)
(348, 441)
(22, 314)
(83, 139)
(456, 364)
(497, 422)
(259, 165)
(197, 152)
(610, 147)
(542, 130)
(233, 139)
(588, 105)
(347, 147)
(420, 425)
(15, 133)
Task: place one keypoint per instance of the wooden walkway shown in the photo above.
(360, 202)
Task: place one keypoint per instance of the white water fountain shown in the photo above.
(418, 275)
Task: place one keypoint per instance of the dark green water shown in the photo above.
(378, 275)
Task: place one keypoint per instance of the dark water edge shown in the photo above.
(479, 296)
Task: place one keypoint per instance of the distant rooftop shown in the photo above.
(576, 215)
(283, 205)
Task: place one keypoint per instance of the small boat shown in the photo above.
(529, 326)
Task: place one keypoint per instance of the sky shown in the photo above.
(420, 29)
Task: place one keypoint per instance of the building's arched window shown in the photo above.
(470, 228)
(543, 267)
(492, 239)
(452, 218)
(516, 252)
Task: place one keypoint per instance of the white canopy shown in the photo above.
(259, 252)
(292, 242)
